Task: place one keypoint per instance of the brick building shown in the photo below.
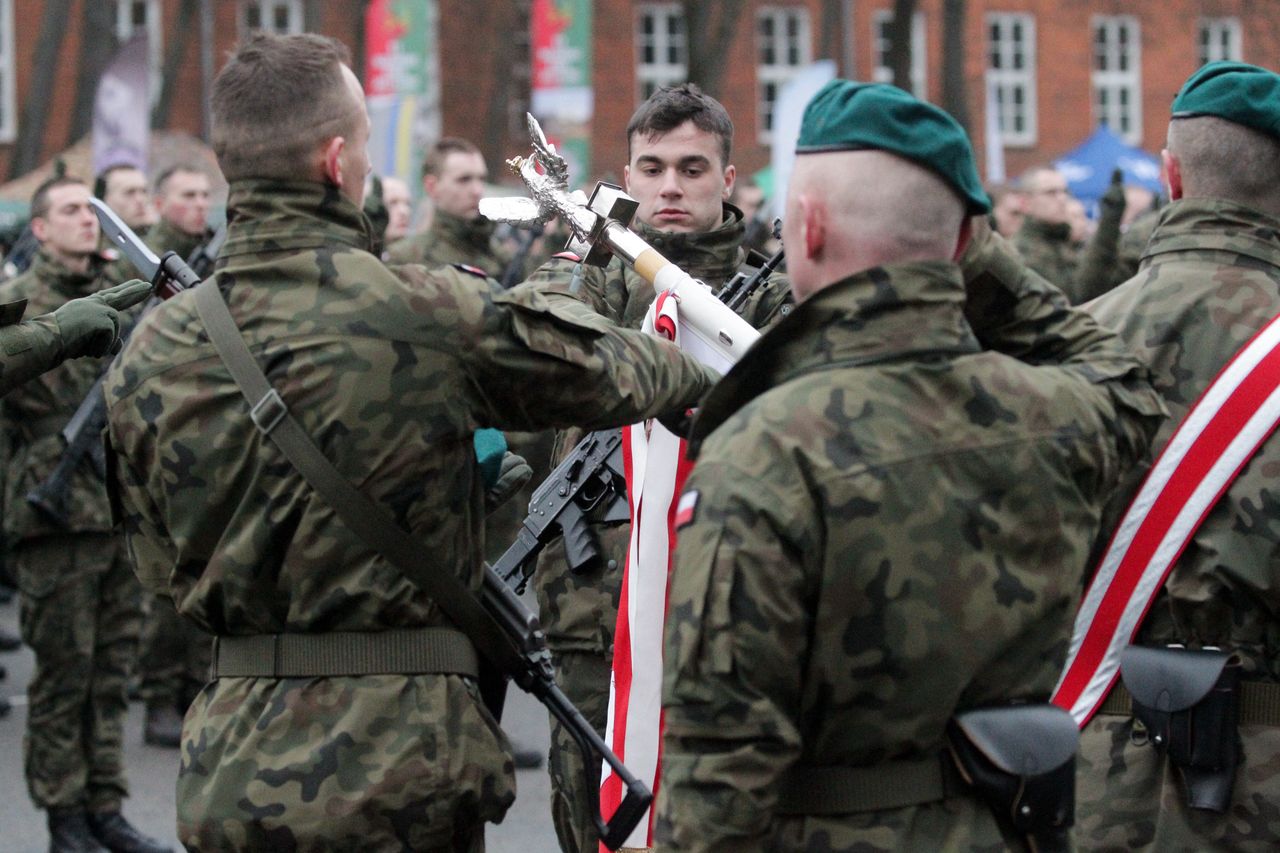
(1055, 67)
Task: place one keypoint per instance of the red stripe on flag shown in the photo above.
(1208, 447)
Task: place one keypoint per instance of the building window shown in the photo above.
(283, 17)
(8, 98)
(1117, 76)
(783, 48)
(1219, 39)
(1011, 75)
(662, 47)
(134, 15)
(882, 73)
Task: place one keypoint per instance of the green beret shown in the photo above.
(1240, 93)
(849, 116)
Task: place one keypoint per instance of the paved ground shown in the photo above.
(152, 771)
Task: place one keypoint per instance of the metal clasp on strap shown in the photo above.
(269, 411)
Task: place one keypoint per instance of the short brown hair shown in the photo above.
(671, 106)
(275, 101)
(40, 198)
(433, 163)
(178, 168)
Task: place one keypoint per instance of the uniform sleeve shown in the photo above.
(567, 280)
(737, 632)
(1099, 269)
(150, 545)
(29, 349)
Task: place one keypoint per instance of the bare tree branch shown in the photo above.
(900, 42)
(955, 94)
(710, 27)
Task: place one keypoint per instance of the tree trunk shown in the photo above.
(97, 45)
(955, 94)
(709, 28)
(44, 69)
(180, 38)
(900, 42)
(503, 18)
(312, 16)
(833, 34)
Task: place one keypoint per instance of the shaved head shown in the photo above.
(849, 211)
(1217, 158)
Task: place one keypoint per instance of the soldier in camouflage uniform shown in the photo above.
(174, 656)
(391, 373)
(894, 498)
(80, 602)
(454, 175)
(680, 141)
(1210, 278)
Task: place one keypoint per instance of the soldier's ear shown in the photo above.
(331, 160)
(966, 234)
(1172, 174)
(730, 173)
(813, 225)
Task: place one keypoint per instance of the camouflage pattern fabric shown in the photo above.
(1046, 247)
(79, 602)
(452, 240)
(1099, 267)
(164, 237)
(1209, 280)
(580, 612)
(1133, 244)
(27, 348)
(80, 614)
(390, 373)
(174, 657)
(894, 513)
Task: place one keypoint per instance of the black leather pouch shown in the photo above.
(1021, 761)
(1189, 701)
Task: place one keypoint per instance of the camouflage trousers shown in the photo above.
(369, 763)
(174, 660)
(1128, 797)
(584, 677)
(80, 614)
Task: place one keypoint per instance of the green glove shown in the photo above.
(514, 473)
(376, 209)
(91, 325)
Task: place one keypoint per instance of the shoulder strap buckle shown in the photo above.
(268, 412)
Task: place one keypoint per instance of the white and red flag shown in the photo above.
(656, 470)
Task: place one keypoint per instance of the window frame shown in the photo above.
(296, 13)
(1103, 82)
(771, 77)
(880, 18)
(650, 76)
(1005, 81)
(1209, 35)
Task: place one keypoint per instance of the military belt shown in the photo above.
(1259, 703)
(830, 790)
(400, 652)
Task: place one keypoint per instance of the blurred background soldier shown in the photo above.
(1209, 280)
(173, 660)
(79, 600)
(679, 170)
(395, 195)
(381, 741)
(181, 201)
(453, 176)
(890, 515)
(123, 188)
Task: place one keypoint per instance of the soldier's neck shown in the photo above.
(76, 263)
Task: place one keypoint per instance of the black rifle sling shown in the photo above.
(360, 514)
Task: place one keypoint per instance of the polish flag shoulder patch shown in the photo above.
(687, 508)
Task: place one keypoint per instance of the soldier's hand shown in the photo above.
(125, 295)
(87, 326)
(514, 473)
(1114, 196)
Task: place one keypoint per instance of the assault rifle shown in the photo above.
(83, 433)
(202, 258)
(735, 292)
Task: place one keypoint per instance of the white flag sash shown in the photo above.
(656, 467)
(1216, 439)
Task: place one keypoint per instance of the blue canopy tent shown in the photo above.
(1088, 168)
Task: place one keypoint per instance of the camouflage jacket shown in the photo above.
(163, 237)
(1046, 247)
(28, 348)
(1210, 278)
(579, 612)
(35, 413)
(391, 374)
(893, 514)
(451, 240)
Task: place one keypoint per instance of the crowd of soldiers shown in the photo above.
(901, 491)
